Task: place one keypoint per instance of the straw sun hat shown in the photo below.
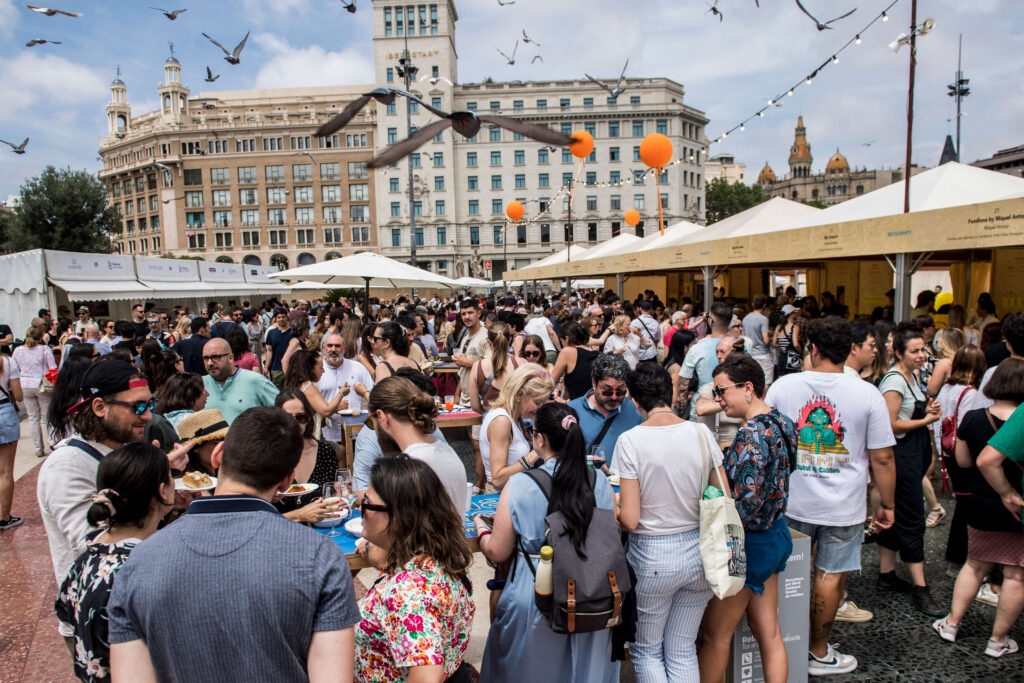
(202, 426)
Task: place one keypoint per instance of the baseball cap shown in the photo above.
(83, 309)
(787, 309)
(106, 378)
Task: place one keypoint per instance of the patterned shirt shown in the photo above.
(82, 602)
(758, 464)
(418, 616)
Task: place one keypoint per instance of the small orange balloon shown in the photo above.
(515, 210)
(632, 217)
(656, 150)
(582, 144)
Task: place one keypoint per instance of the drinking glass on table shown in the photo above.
(345, 485)
(449, 402)
(332, 501)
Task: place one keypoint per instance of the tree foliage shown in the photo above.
(723, 199)
(65, 210)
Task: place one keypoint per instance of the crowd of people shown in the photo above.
(808, 421)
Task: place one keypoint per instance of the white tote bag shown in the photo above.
(721, 540)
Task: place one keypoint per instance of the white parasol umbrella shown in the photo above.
(474, 282)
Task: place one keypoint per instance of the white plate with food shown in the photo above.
(330, 522)
(354, 527)
(299, 489)
(195, 481)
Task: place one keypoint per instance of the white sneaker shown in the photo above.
(997, 649)
(834, 662)
(987, 596)
(946, 630)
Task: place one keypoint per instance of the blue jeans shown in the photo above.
(671, 594)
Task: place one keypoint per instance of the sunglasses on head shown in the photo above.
(138, 407)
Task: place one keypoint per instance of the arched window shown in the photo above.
(279, 261)
(122, 122)
(252, 260)
(224, 259)
(167, 102)
(331, 255)
(305, 259)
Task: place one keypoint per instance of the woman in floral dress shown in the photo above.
(135, 491)
(418, 614)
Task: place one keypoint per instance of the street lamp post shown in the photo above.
(959, 90)
(407, 71)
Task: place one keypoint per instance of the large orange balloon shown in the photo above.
(515, 210)
(632, 217)
(582, 144)
(656, 150)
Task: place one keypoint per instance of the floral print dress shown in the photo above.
(82, 603)
(417, 616)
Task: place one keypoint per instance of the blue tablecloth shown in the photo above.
(486, 504)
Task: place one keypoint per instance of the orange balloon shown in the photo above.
(582, 144)
(632, 217)
(515, 210)
(656, 150)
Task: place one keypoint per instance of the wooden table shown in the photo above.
(441, 367)
(486, 504)
(351, 424)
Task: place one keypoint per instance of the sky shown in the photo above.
(55, 94)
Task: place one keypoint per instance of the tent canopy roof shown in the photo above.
(624, 242)
(760, 218)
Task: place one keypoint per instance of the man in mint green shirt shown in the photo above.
(233, 390)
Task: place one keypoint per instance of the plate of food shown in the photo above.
(354, 527)
(299, 489)
(613, 480)
(330, 522)
(195, 481)
(350, 412)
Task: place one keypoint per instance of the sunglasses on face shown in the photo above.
(613, 393)
(531, 354)
(364, 506)
(301, 418)
(717, 391)
(137, 407)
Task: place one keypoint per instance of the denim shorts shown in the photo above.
(10, 425)
(837, 547)
(767, 552)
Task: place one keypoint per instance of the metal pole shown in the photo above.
(407, 72)
(709, 286)
(619, 284)
(910, 103)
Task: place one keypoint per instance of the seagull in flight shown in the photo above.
(232, 57)
(467, 124)
(172, 199)
(713, 9)
(51, 12)
(210, 78)
(170, 14)
(868, 144)
(528, 39)
(535, 58)
(350, 7)
(507, 2)
(511, 60)
(17, 149)
(818, 24)
(41, 41)
(433, 80)
(618, 89)
(384, 95)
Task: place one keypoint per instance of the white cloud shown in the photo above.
(8, 17)
(27, 79)
(310, 66)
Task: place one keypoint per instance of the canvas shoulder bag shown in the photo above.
(721, 539)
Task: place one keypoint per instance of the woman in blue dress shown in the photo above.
(520, 645)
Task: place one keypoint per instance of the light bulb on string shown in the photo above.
(742, 127)
(771, 102)
(761, 114)
(885, 17)
(790, 93)
(857, 39)
(835, 59)
(809, 80)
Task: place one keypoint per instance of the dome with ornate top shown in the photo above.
(766, 176)
(837, 164)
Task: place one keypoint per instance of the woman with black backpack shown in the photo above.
(521, 646)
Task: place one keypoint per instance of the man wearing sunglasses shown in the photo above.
(604, 413)
(116, 410)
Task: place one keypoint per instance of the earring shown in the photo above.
(749, 398)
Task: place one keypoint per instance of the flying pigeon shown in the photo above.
(41, 41)
(511, 60)
(385, 95)
(527, 39)
(466, 124)
(715, 11)
(17, 149)
(433, 80)
(535, 58)
(170, 14)
(173, 199)
(210, 78)
(232, 57)
(50, 12)
(618, 89)
(350, 7)
(821, 26)
(507, 2)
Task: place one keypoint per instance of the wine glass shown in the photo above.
(597, 458)
(345, 485)
(332, 498)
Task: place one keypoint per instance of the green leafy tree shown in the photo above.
(723, 199)
(816, 203)
(66, 210)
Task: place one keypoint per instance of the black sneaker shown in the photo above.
(924, 602)
(891, 583)
(10, 523)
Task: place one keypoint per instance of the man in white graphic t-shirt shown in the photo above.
(842, 425)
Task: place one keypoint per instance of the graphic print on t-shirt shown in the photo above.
(820, 435)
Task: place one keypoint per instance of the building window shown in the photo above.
(247, 196)
(616, 202)
(303, 194)
(542, 180)
(542, 105)
(327, 141)
(470, 106)
(495, 158)
(250, 238)
(359, 192)
(494, 134)
(498, 234)
(279, 237)
(474, 207)
(396, 237)
(392, 136)
(592, 203)
(545, 233)
(222, 219)
(442, 236)
(417, 208)
(519, 157)
(472, 183)
(588, 102)
(636, 153)
(332, 235)
(566, 129)
(542, 156)
(638, 177)
(391, 109)
(638, 202)
(414, 107)
(563, 102)
(664, 201)
(356, 140)
(302, 172)
(332, 214)
(613, 129)
(495, 182)
(661, 126)
(566, 156)
(222, 239)
(361, 234)
(435, 101)
(419, 237)
(193, 200)
(193, 176)
(860, 190)
(195, 219)
(613, 154)
(614, 178)
(304, 216)
(250, 217)
(520, 181)
(474, 235)
(218, 176)
(663, 176)
(300, 142)
(393, 184)
(274, 174)
(567, 180)
(273, 144)
(591, 178)
(495, 105)
(275, 195)
(591, 232)
(275, 216)
(396, 209)
(330, 193)
(634, 99)
(616, 228)
(496, 206)
(438, 159)
(471, 159)
(359, 213)
(439, 183)
(439, 207)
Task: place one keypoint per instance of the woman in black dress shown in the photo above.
(317, 465)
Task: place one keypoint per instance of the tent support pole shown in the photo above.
(904, 268)
(366, 309)
(709, 286)
(620, 284)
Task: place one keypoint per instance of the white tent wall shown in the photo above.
(23, 289)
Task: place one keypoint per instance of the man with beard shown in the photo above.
(233, 390)
(115, 411)
(604, 413)
(339, 372)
